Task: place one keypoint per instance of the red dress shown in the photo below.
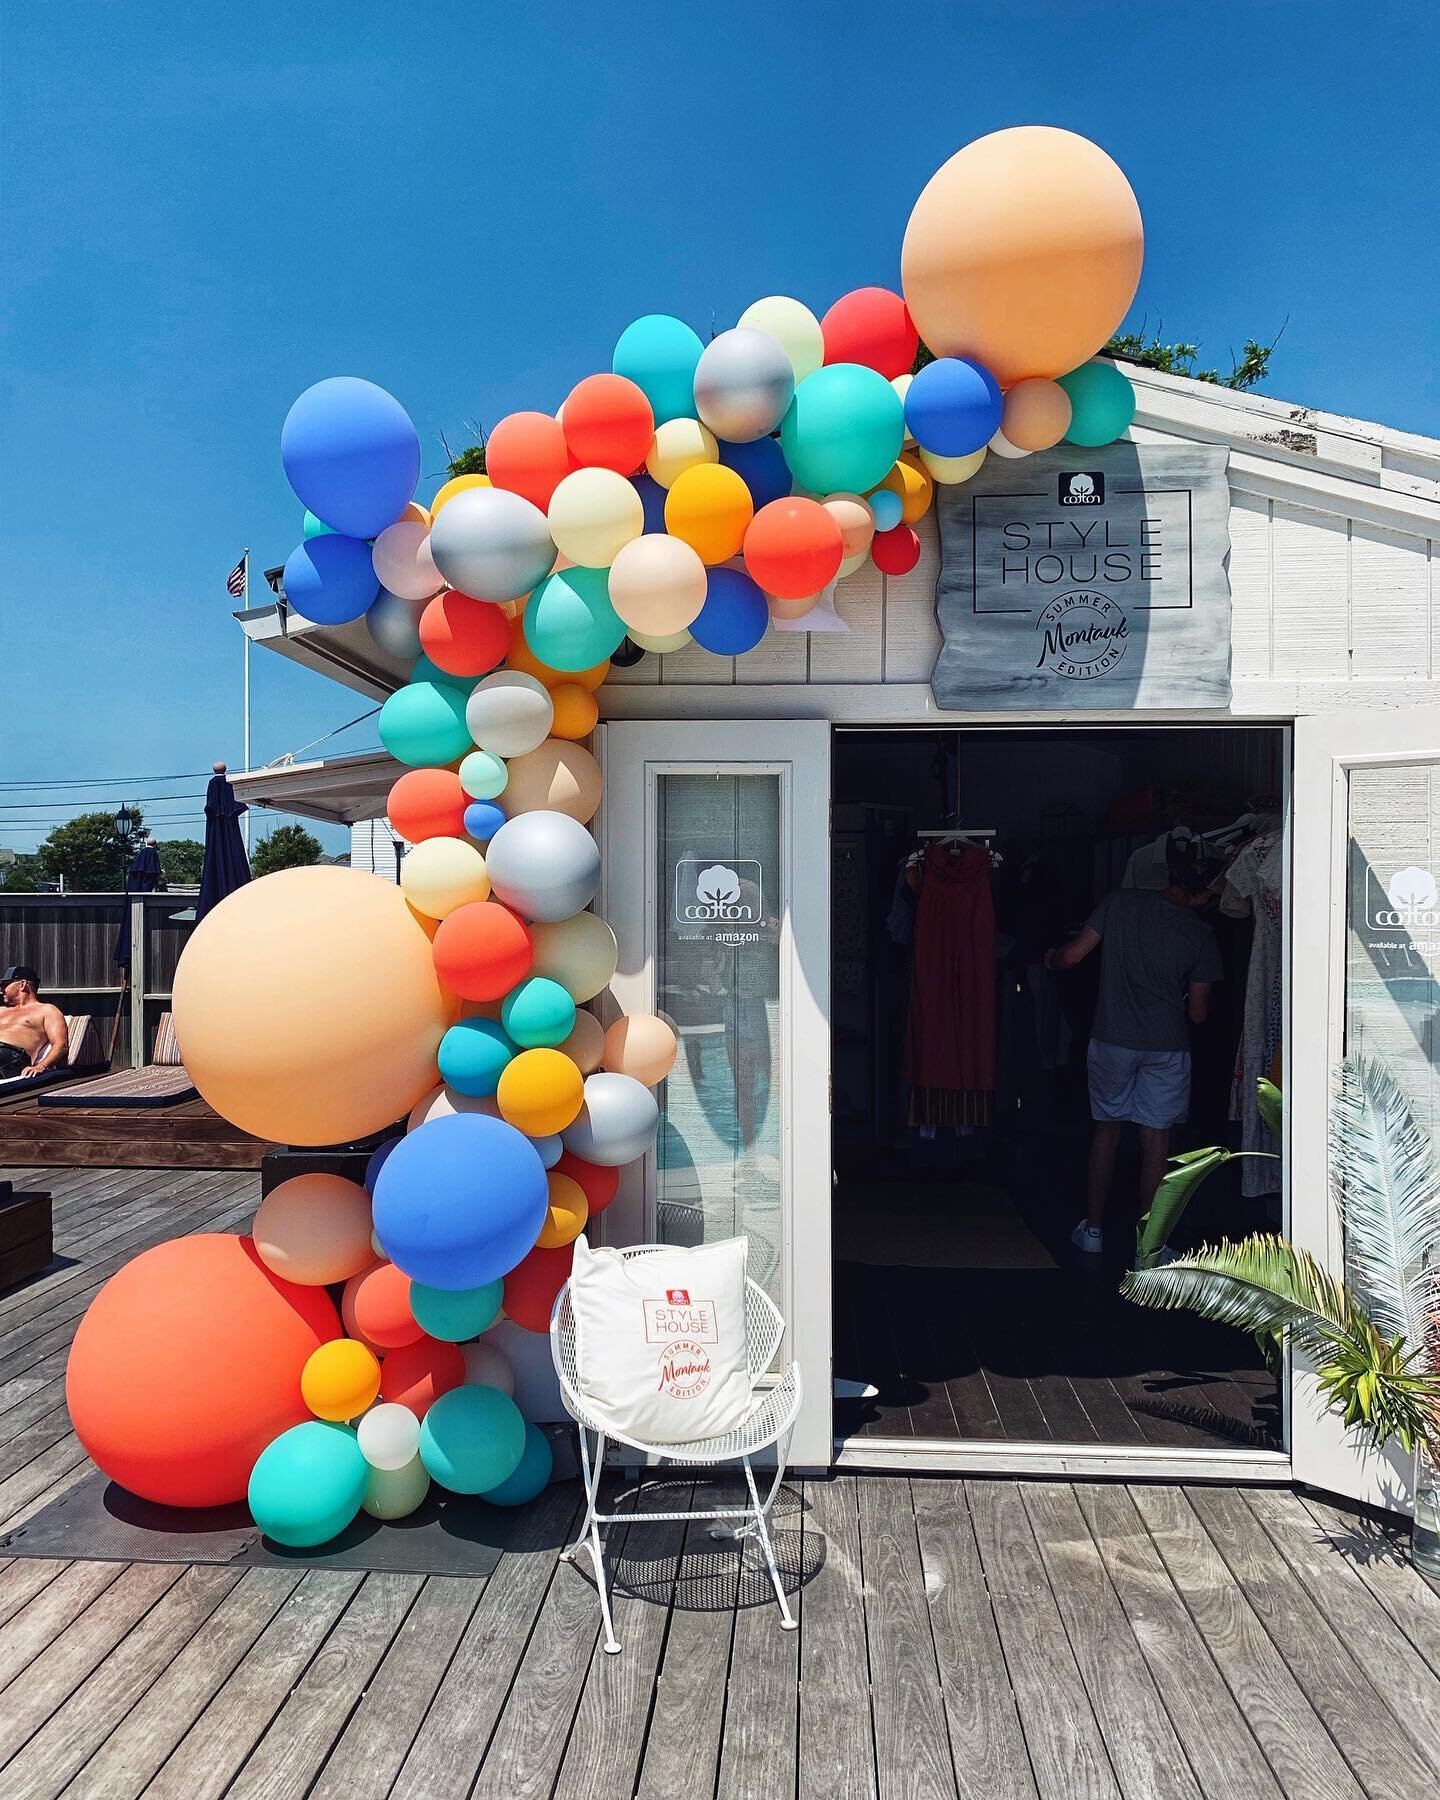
(950, 1036)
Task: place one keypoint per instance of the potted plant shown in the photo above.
(1369, 1336)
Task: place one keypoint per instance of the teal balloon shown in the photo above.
(569, 622)
(473, 1055)
(538, 1014)
(472, 1439)
(316, 527)
(844, 429)
(422, 669)
(423, 725)
(659, 355)
(308, 1483)
(459, 1314)
(532, 1472)
(1102, 404)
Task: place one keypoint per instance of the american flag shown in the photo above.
(235, 580)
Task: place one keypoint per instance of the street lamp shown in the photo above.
(126, 825)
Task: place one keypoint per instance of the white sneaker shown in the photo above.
(1088, 1237)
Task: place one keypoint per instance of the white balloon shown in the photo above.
(486, 1365)
(617, 1123)
(388, 1435)
(744, 383)
(491, 544)
(403, 563)
(543, 865)
(394, 624)
(1002, 446)
(509, 713)
(537, 1386)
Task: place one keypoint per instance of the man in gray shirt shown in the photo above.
(1157, 963)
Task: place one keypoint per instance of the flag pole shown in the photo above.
(246, 635)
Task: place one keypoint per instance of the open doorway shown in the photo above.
(964, 1087)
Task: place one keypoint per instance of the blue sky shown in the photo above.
(206, 209)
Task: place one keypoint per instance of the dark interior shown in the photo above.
(960, 1299)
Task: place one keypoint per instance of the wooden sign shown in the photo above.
(1086, 579)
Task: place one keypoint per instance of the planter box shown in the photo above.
(27, 1236)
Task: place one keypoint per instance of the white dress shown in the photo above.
(1253, 885)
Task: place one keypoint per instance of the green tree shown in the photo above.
(86, 853)
(181, 860)
(287, 847)
(468, 462)
(21, 876)
(1149, 350)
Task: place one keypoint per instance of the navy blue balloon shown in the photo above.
(351, 454)
(377, 1162)
(953, 406)
(734, 616)
(483, 818)
(652, 498)
(761, 465)
(461, 1201)
(330, 580)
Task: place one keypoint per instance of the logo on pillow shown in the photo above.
(678, 1316)
(678, 1296)
(684, 1370)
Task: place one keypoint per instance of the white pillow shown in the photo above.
(660, 1340)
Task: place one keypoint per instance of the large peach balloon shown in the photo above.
(363, 1009)
(1023, 252)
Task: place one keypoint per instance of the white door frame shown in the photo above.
(1327, 747)
(635, 755)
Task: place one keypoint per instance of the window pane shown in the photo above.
(721, 898)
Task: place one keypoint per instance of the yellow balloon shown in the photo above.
(440, 873)
(793, 326)
(680, 444)
(657, 585)
(948, 470)
(708, 507)
(340, 1379)
(457, 484)
(568, 1211)
(576, 711)
(912, 481)
(579, 952)
(555, 777)
(593, 514)
(585, 1045)
(342, 1066)
(540, 1092)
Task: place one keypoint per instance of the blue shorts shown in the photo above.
(1141, 1087)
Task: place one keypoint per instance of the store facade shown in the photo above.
(1235, 608)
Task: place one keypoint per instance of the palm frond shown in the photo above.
(1385, 1184)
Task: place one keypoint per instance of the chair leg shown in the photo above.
(762, 1531)
(590, 1532)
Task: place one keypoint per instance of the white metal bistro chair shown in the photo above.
(773, 1411)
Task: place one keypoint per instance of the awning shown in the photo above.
(346, 653)
(340, 790)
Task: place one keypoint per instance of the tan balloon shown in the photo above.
(345, 1060)
(585, 1045)
(792, 609)
(579, 952)
(657, 585)
(1023, 252)
(641, 1045)
(856, 522)
(314, 1229)
(557, 777)
(1036, 414)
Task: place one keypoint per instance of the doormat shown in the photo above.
(96, 1521)
(921, 1225)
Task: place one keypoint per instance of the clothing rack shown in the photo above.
(956, 834)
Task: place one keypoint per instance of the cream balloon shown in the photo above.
(440, 873)
(642, 1045)
(793, 326)
(679, 445)
(395, 1493)
(509, 712)
(901, 385)
(557, 776)
(593, 514)
(403, 563)
(580, 953)
(662, 646)
(585, 1045)
(1002, 446)
(441, 1101)
(947, 471)
(657, 585)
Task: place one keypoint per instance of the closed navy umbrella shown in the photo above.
(226, 867)
(142, 877)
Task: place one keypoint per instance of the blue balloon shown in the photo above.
(483, 818)
(307, 1484)
(331, 579)
(659, 355)
(472, 1439)
(532, 1472)
(351, 454)
(887, 507)
(761, 465)
(953, 406)
(377, 1162)
(734, 616)
(454, 1317)
(652, 498)
(461, 1201)
(473, 1055)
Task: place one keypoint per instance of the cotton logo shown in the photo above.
(717, 886)
(1411, 890)
(1084, 489)
(678, 1296)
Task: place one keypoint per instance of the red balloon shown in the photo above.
(187, 1364)
(527, 454)
(600, 1185)
(426, 803)
(793, 547)
(376, 1307)
(608, 423)
(895, 552)
(531, 1286)
(419, 1373)
(482, 950)
(871, 326)
(464, 636)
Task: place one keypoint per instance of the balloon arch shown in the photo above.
(364, 1341)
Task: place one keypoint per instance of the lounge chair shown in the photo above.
(84, 1057)
(163, 1082)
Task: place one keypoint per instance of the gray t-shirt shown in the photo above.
(1150, 951)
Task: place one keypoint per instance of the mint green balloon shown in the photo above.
(844, 429)
(424, 725)
(458, 1314)
(538, 1014)
(569, 622)
(1102, 403)
(483, 775)
(317, 527)
(308, 1483)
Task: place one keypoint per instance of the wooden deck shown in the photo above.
(984, 1638)
(190, 1135)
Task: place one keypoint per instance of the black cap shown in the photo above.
(20, 972)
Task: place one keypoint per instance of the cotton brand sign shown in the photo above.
(1086, 579)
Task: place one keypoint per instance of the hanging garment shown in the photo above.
(1253, 883)
(950, 1035)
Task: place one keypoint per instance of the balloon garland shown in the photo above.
(351, 1349)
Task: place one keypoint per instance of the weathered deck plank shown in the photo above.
(837, 1745)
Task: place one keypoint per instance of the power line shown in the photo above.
(93, 781)
(13, 806)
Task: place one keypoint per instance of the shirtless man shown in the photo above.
(33, 1034)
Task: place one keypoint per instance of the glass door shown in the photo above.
(1366, 960)
(716, 843)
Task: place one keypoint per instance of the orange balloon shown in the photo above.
(426, 803)
(188, 1363)
(1023, 252)
(378, 1301)
(565, 1219)
(1036, 415)
(481, 950)
(520, 656)
(464, 636)
(793, 547)
(576, 711)
(419, 1373)
(608, 423)
(343, 1066)
(531, 1286)
(527, 454)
